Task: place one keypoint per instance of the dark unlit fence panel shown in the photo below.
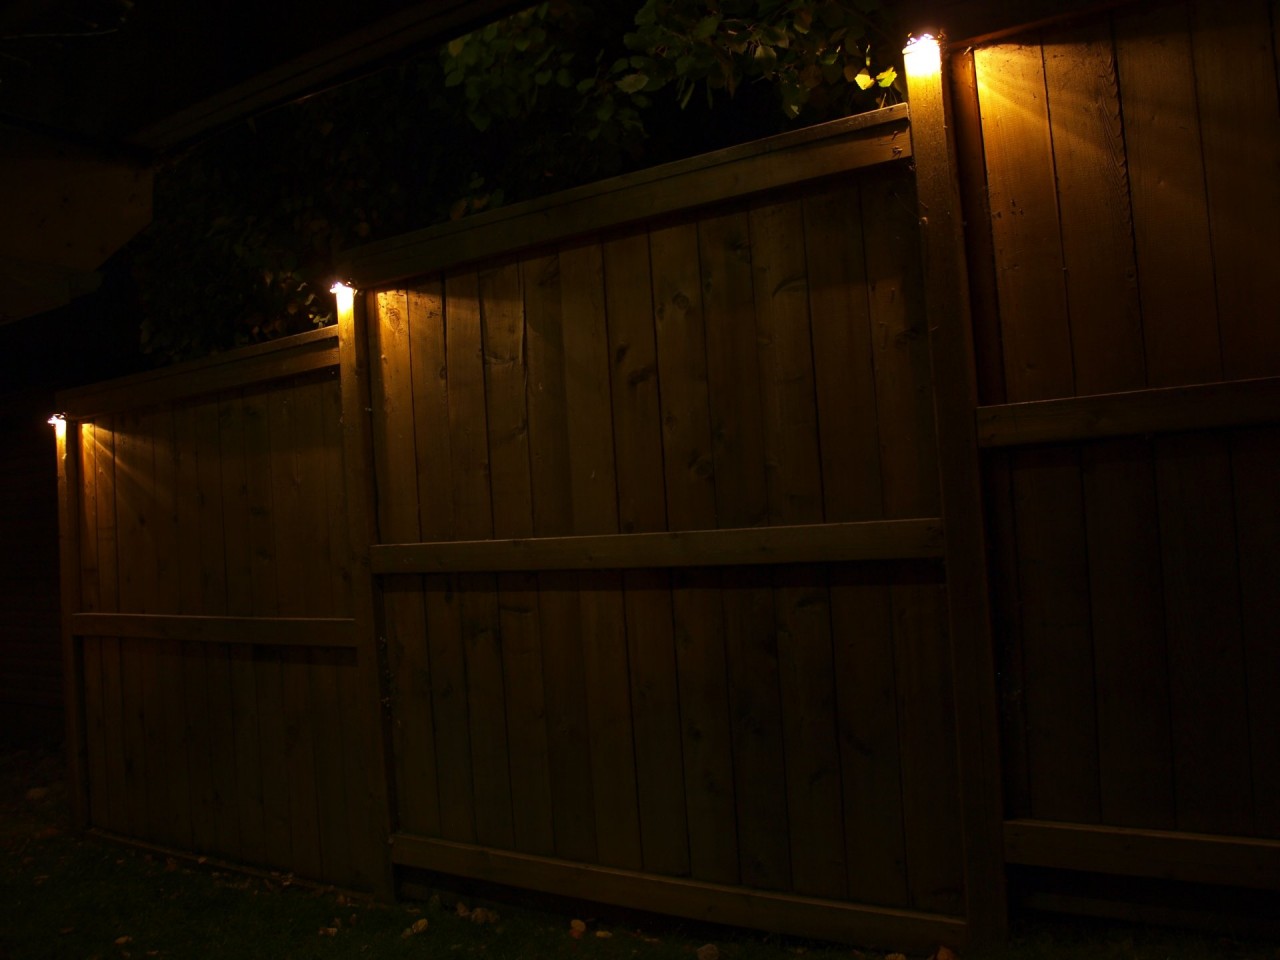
(578, 447)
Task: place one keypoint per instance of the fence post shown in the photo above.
(955, 400)
(68, 440)
(357, 456)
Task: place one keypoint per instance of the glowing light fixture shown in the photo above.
(922, 55)
(345, 295)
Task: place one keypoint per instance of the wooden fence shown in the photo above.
(211, 605)
(638, 548)
(1124, 221)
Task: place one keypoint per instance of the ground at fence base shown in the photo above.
(69, 896)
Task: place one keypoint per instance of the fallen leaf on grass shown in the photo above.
(481, 915)
(121, 941)
(603, 934)
(418, 926)
(708, 951)
(463, 910)
(945, 953)
(577, 928)
(328, 931)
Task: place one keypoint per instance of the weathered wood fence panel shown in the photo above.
(1133, 206)
(214, 612)
(590, 456)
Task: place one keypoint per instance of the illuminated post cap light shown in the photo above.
(345, 295)
(922, 54)
(58, 420)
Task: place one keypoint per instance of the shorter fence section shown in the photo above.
(210, 614)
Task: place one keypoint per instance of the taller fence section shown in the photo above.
(659, 547)
(208, 613)
(1123, 211)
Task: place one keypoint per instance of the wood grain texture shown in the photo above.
(1207, 682)
(747, 546)
(1240, 140)
(1024, 221)
(1255, 471)
(1167, 186)
(502, 315)
(1093, 204)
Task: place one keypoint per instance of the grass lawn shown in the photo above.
(67, 897)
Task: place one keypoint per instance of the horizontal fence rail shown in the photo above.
(874, 540)
(708, 902)
(1130, 851)
(261, 631)
(277, 360)
(1232, 403)
(839, 147)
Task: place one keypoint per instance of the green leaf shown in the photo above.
(633, 83)
(863, 79)
(886, 77)
(705, 28)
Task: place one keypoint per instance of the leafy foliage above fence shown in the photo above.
(248, 225)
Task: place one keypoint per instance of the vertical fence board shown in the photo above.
(926, 704)
(861, 626)
(1166, 180)
(259, 471)
(807, 697)
(243, 694)
(468, 429)
(1056, 647)
(213, 582)
(572, 781)
(502, 317)
(780, 283)
(1119, 495)
(870, 757)
(844, 378)
(113, 708)
(751, 653)
(680, 337)
(737, 416)
(414, 742)
(1093, 202)
(909, 488)
(1240, 139)
(1135, 761)
(288, 419)
(1052, 573)
(637, 420)
(407, 334)
(321, 596)
(1255, 463)
(188, 709)
(697, 618)
(95, 721)
(131, 491)
(1208, 698)
(733, 372)
(593, 480)
(1025, 226)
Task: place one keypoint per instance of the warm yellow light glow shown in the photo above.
(345, 295)
(59, 425)
(56, 419)
(922, 55)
